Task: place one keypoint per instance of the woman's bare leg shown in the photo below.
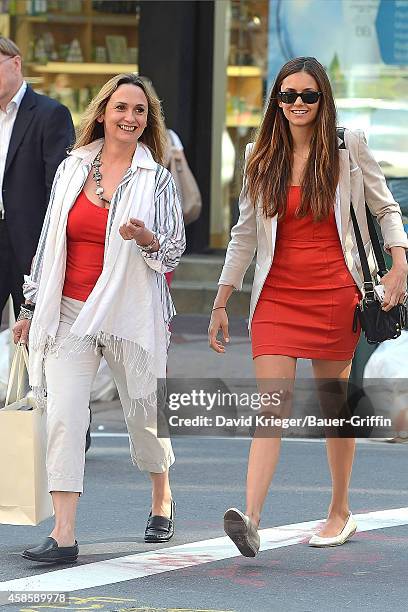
(264, 452)
(65, 505)
(340, 454)
(161, 494)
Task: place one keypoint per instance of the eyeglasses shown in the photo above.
(308, 97)
(7, 59)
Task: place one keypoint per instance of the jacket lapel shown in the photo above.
(344, 186)
(24, 116)
(271, 226)
(268, 230)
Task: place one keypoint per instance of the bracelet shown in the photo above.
(25, 313)
(218, 308)
(149, 247)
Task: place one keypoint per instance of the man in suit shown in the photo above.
(35, 132)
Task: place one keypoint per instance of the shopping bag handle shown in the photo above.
(19, 366)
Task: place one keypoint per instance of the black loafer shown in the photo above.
(160, 528)
(50, 552)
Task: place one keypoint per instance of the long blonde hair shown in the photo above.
(154, 135)
(269, 166)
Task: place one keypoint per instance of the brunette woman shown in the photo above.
(295, 213)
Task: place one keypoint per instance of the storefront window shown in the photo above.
(364, 46)
(72, 47)
(244, 58)
(247, 22)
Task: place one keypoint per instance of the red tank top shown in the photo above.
(86, 228)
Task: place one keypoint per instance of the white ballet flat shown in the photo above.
(346, 533)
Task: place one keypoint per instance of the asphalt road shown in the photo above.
(368, 573)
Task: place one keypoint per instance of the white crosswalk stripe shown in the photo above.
(168, 559)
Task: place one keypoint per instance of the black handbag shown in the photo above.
(376, 324)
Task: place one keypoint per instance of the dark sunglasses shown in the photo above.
(308, 97)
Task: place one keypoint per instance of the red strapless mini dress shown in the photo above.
(307, 303)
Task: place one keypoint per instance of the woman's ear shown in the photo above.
(100, 119)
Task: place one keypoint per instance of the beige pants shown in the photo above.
(69, 377)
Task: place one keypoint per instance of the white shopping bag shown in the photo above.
(103, 388)
(24, 496)
(4, 362)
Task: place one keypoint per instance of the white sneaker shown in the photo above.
(346, 533)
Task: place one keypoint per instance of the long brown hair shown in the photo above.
(154, 134)
(269, 166)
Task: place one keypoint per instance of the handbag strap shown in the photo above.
(19, 366)
(378, 252)
(382, 268)
(172, 142)
(368, 281)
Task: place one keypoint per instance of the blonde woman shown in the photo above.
(295, 212)
(114, 226)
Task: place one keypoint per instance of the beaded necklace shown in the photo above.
(97, 177)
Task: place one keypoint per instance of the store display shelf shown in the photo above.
(103, 20)
(34, 80)
(115, 20)
(244, 71)
(82, 68)
(245, 120)
(5, 25)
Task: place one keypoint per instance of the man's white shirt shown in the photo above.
(7, 119)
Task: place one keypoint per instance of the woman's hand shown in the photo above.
(21, 330)
(219, 320)
(395, 285)
(135, 229)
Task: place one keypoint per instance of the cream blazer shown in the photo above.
(361, 180)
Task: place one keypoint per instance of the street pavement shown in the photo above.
(367, 573)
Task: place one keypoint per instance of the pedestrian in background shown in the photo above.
(35, 132)
(113, 228)
(295, 212)
(188, 191)
(174, 144)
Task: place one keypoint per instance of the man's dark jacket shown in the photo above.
(41, 135)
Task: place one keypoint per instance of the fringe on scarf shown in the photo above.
(135, 359)
(40, 396)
